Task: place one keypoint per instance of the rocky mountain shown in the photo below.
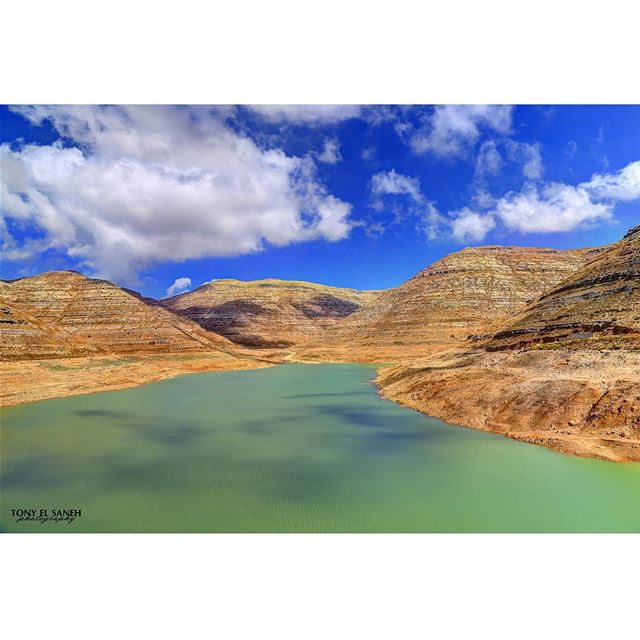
(564, 372)
(597, 307)
(65, 314)
(267, 313)
(456, 296)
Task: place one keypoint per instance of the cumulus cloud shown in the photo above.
(489, 161)
(434, 224)
(469, 226)
(483, 199)
(325, 114)
(134, 185)
(330, 153)
(532, 167)
(409, 203)
(551, 208)
(556, 207)
(401, 196)
(455, 131)
(368, 153)
(452, 130)
(179, 285)
(528, 156)
(492, 155)
(624, 185)
(394, 183)
(307, 113)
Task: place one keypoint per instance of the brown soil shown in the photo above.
(267, 313)
(442, 305)
(563, 373)
(33, 380)
(579, 402)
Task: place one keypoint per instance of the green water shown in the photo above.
(291, 448)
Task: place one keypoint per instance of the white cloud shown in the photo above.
(551, 208)
(146, 184)
(307, 113)
(492, 155)
(556, 207)
(179, 285)
(489, 161)
(434, 223)
(532, 167)
(529, 156)
(330, 153)
(414, 207)
(325, 115)
(368, 153)
(483, 199)
(469, 226)
(394, 183)
(538, 208)
(452, 130)
(624, 185)
(374, 229)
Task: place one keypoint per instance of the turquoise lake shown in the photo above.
(299, 448)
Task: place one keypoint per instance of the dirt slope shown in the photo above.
(267, 313)
(459, 295)
(564, 372)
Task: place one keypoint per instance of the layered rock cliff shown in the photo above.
(446, 302)
(267, 313)
(564, 372)
(65, 314)
(598, 307)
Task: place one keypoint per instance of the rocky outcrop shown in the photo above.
(564, 372)
(598, 307)
(445, 303)
(65, 314)
(267, 313)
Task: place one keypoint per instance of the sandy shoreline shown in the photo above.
(32, 380)
(579, 403)
(26, 381)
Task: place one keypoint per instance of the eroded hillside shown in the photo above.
(439, 307)
(564, 372)
(268, 313)
(62, 333)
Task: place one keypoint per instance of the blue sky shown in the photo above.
(350, 196)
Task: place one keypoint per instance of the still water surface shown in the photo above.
(291, 448)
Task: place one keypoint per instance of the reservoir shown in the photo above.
(293, 448)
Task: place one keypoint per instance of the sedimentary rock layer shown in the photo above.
(598, 307)
(443, 304)
(564, 372)
(583, 403)
(65, 314)
(267, 313)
